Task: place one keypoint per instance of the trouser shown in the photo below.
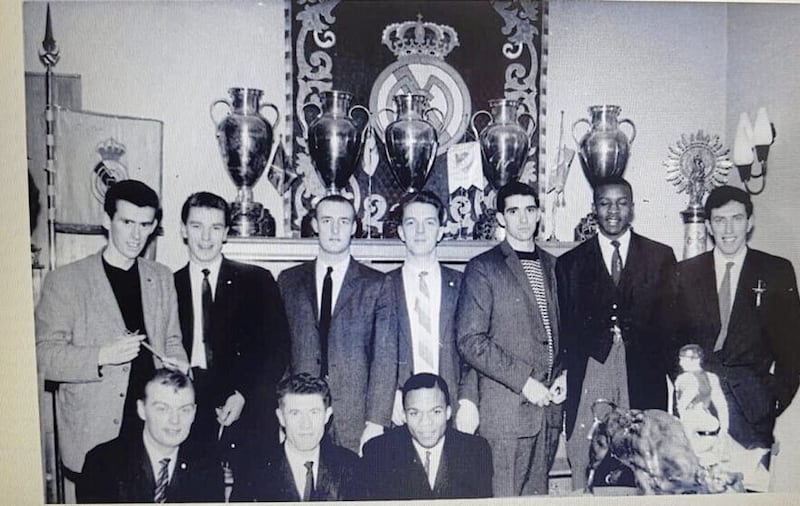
(606, 380)
(521, 465)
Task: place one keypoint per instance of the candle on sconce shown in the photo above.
(743, 143)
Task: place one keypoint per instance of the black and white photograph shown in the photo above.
(403, 250)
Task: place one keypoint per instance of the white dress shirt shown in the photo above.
(198, 358)
(436, 458)
(411, 288)
(607, 249)
(719, 269)
(297, 463)
(155, 457)
(337, 278)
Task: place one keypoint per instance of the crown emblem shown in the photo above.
(420, 38)
(110, 149)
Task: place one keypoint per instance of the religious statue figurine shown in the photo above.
(701, 407)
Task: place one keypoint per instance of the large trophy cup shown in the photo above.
(335, 137)
(245, 141)
(411, 141)
(603, 150)
(504, 141)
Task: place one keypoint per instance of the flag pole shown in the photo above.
(49, 56)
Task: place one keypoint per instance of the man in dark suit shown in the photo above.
(339, 328)
(306, 467)
(422, 296)
(614, 294)
(741, 306)
(426, 459)
(156, 466)
(507, 327)
(234, 330)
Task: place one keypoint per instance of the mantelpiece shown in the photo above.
(277, 254)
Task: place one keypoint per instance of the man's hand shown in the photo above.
(558, 390)
(467, 417)
(398, 413)
(536, 393)
(122, 350)
(231, 411)
(371, 430)
(175, 364)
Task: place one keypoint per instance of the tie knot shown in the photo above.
(310, 464)
(329, 271)
(422, 274)
(728, 265)
(205, 272)
(164, 462)
(615, 243)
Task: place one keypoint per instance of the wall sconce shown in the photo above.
(749, 137)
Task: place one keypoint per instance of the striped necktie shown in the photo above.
(160, 494)
(422, 305)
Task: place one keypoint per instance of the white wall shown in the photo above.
(764, 70)
(169, 61)
(665, 66)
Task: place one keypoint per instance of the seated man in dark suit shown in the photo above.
(305, 467)
(426, 459)
(157, 466)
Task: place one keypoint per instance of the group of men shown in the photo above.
(291, 381)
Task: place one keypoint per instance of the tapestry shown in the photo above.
(460, 54)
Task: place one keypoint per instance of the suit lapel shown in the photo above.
(443, 474)
(447, 304)
(403, 321)
(416, 467)
(515, 266)
(224, 293)
(104, 296)
(348, 286)
(183, 287)
(708, 285)
(286, 478)
(548, 275)
(308, 288)
(150, 299)
(325, 487)
(743, 296)
(144, 482)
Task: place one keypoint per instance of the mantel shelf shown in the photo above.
(265, 250)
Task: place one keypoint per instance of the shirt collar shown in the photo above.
(738, 258)
(155, 455)
(196, 270)
(298, 460)
(624, 240)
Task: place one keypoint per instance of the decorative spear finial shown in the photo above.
(48, 55)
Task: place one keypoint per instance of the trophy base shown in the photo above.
(695, 236)
(251, 219)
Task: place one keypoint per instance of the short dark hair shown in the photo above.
(610, 181)
(304, 383)
(175, 379)
(425, 380)
(334, 198)
(723, 194)
(206, 199)
(133, 191)
(424, 197)
(511, 189)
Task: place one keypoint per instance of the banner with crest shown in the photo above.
(458, 54)
(93, 151)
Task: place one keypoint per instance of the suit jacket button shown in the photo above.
(614, 306)
(125, 368)
(116, 421)
(122, 394)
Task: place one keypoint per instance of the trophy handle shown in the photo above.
(375, 118)
(362, 125)
(432, 109)
(531, 128)
(582, 120)
(474, 127)
(633, 129)
(303, 117)
(214, 104)
(277, 114)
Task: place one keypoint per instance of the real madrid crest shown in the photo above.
(110, 169)
(421, 48)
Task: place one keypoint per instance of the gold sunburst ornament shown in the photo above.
(697, 163)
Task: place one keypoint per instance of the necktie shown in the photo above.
(426, 339)
(428, 466)
(724, 307)
(207, 301)
(325, 320)
(309, 488)
(616, 263)
(162, 481)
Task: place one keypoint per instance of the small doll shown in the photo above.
(701, 407)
